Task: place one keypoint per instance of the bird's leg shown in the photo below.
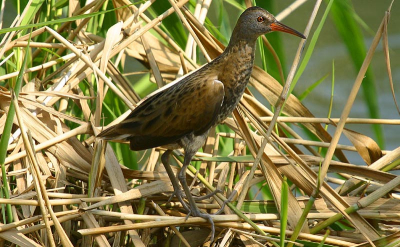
(194, 210)
(174, 181)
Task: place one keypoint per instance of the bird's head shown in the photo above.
(256, 21)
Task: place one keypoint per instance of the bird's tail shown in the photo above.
(111, 133)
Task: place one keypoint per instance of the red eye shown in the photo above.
(260, 19)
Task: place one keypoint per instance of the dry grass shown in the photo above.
(68, 188)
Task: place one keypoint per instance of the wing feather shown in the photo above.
(189, 106)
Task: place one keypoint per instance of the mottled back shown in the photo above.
(190, 106)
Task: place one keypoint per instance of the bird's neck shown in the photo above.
(239, 60)
(234, 69)
(241, 46)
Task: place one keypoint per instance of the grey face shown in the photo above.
(256, 21)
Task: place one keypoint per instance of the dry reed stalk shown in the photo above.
(91, 222)
(38, 183)
(159, 210)
(61, 159)
(275, 231)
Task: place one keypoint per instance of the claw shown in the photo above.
(188, 214)
(209, 219)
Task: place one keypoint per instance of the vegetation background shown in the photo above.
(77, 176)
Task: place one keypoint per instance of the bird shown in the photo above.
(181, 114)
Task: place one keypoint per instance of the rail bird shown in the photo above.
(180, 114)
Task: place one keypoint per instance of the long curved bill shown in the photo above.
(277, 26)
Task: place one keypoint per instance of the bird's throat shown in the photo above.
(239, 61)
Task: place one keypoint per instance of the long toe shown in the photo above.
(224, 203)
(209, 219)
(199, 198)
(197, 213)
(222, 207)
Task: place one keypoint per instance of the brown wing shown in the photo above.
(189, 106)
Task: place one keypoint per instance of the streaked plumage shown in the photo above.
(182, 114)
(172, 113)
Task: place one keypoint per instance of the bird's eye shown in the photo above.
(260, 19)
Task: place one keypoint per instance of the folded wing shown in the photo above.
(189, 106)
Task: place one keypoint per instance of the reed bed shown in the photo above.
(62, 83)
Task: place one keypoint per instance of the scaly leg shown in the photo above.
(194, 210)
(174, 181)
